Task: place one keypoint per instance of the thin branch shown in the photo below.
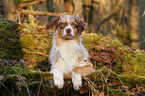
(40, 84)
(39, 53)
(143, 14)
(30, 3)
(18, 15)
(19, 76)
(41, 13)
(7, 89)
(91, 85)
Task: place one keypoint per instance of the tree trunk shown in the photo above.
(88, 15)
(59, 6)
(142, 24)
(134, 23)
(9, 10)
(42, 19)
(78, 8)
(69, 6)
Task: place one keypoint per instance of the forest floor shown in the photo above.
(24, 66)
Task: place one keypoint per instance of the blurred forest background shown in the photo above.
(115, 51)
(121, 19)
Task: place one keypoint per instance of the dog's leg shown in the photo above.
(58, 78)
(77, 80)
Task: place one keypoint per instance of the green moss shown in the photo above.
(116, 43)
(132, 80)
(3, 54)
(139, 66)
(28, 42)
(36, 44)
(15, 70)
(9, 39)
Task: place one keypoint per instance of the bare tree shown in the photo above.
(9, 10)
(69, 6)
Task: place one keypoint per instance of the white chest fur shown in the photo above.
(68, 49)
(67, 55)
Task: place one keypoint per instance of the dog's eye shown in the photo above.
(62, 25)
(74, 24)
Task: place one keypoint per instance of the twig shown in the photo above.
(117, 78)
(143, 14)
(22, 15)
(23, 82)
(7, 88)
(25, 50)
(18, 17)
(91, 85)
(40, 83)
(105, 80)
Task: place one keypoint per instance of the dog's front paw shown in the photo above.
(58, 78)
(58, 82)
(77, 85)
(77, 81)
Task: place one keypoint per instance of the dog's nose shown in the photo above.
(68, 30)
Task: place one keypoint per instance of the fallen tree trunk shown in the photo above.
(41, 13)
(103, 77)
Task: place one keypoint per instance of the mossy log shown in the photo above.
(10, 47)
(32, 80)
(126, 80)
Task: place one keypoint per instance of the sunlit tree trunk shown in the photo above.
(134, 23)
(9, 10)
(69, 6)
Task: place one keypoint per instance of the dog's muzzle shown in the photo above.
(69, 35)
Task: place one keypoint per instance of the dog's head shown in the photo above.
(67, 26)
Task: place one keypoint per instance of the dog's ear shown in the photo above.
(53, 23)
(81, 25)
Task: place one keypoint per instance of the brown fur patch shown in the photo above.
(81, 25)
(84, 70)
(53, 23)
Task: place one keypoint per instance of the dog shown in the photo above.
(68, 56)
